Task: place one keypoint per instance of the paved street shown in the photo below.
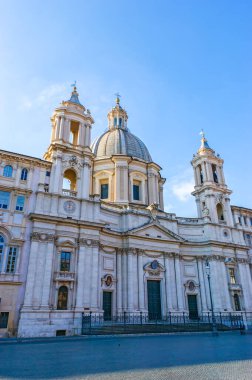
(191, 357)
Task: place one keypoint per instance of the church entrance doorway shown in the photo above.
(154, 300)
(192, 306)
(107, 305)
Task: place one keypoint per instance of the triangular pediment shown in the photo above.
(155, 231)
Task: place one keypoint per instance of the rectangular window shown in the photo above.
(136, 190)
(104, 191)
(20, 203)
(4, 316)
(232, 276)
(136, 194)
(239, 220)
(65, 259)
(4, 199)
(48, 174)
(115, 121)
(250, 221)
(12, 260)
(245, 220)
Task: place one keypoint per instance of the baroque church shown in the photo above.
(84, 230)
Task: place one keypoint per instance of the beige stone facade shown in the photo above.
(85, 230)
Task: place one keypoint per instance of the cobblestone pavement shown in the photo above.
(172, 357)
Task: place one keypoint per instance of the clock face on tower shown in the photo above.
(69, 207)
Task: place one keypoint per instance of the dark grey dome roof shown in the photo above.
(120, 141)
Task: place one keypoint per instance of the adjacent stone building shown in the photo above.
(85, 230)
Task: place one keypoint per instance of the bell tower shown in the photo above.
(69, 149)
(211, 192)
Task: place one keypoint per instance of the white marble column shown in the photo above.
(130, 281)
(80, 278)
(140, 281)
(246, 284)
(215, 285)
(202, 286)
(209, 171)
(87, 276)
(179, 284)
(39, 274)
(119, 281)
(31, 274)
(124, 281)
(47, 282)
(57, 131)
(94, 278)
(170, 284)
(61, 128)
(226, 295)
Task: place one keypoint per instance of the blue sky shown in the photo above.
(180, 66)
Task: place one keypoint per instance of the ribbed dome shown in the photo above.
(120, 141)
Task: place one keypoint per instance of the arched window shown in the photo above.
(62, 298)
(7, 172)
(74, 131)
(237, 304)
(200, 174)
(215, 175)
(69, 180)
(220, 214)
(24, 174)
(1, 250)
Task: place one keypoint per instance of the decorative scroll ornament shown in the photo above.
(153, 208)
(154, 268)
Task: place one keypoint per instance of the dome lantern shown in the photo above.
(118, 140)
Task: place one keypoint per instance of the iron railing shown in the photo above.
(150, 322)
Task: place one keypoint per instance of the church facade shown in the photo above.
(84, 230)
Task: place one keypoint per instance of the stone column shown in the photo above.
(209, 171)
(87, 276)
(31, 274)
(202, 286)
(80, 278)
(85, 180)
(246, 284)
(215, 285)
(18, 175)
(226, 295)
(47, 275)
(57, 132)
(94, 277)
(141, 303)
(119, 281)
(170, 284)
(39, 274)
(124, 280)
(179, 284)
(130, 281)
(61, 128)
